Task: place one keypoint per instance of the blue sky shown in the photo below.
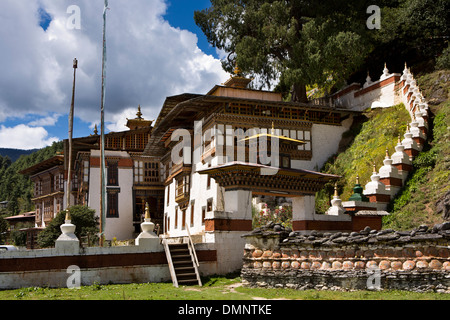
(181, 14)
(154, 48)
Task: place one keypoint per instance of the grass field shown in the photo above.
(214, 288)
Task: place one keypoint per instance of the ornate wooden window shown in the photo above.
(113, 173)
(38, 213)
(182, 188)
(112, 204)
(192, 212)
(183, 219)
(114, 142)
(209, 205)
(38, 188)
(146, 172)
(176, 217)
(168, 195)
(166, 223)
(136, 141)
(203, 215)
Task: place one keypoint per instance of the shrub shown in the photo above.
(282, 216)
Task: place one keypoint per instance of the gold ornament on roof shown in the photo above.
(147, 211)
(139, 113)
(237, 70)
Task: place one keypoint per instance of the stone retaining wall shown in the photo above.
(416, 260)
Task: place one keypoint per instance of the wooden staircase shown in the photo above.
(183, 263)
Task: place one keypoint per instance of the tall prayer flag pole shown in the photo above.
(102, 142)
(69, 167)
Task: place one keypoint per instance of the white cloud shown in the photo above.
(25, 137)
(45, 122)
(148, 60)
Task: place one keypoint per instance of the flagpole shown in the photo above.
(102, 141)
(69, 167)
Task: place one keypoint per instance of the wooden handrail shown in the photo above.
(191, 243)
(170, 263)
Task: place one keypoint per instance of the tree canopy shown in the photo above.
(293, 43)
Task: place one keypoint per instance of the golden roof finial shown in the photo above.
(139, 113)
(237, 71)
(147, 211)
(335, 190)
(95, 130)
(387, 153)
(357, 179)
(374, 168)
(399, 139)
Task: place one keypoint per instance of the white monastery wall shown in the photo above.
(122, 227)
(325, 143)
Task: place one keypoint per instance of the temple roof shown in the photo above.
(138, 122)
(44, 165)
(262, 179)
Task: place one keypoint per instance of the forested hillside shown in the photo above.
(15, 187)
(15, 154)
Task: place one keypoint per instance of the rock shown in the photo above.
(381, 232)
(340, 239)
(441, 227)
(443, 206)
(388, 237)
(269, 225)
(426, 236)
(360, 240)
(372, 240)
(335, 235)
(423, 228)
(403, 239)
(445, 234)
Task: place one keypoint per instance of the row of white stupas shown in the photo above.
(390, 178)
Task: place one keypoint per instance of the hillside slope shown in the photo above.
(425, 197)
(15, 154)
(375, 131)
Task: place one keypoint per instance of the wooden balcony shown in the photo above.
(182, 193)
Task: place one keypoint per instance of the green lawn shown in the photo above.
(214, 288)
